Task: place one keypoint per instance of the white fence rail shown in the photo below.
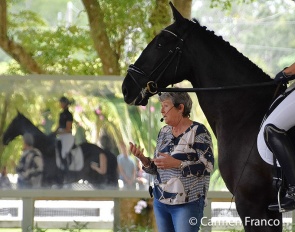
(25, 207)
(29, 196)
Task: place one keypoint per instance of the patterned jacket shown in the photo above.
(30, 168)
(186, 184)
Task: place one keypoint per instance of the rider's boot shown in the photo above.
(63, 160)
(281, 146)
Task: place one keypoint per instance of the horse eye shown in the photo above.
(159, 45)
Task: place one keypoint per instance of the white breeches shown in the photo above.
(67, 142)
(282, 117)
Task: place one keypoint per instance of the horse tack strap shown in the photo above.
(152, 87)
(176, 51)
(233, 87)
(172, 33)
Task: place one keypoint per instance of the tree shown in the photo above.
(259, 30)
(14, 49)
(112, 24)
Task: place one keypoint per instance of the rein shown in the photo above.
(211, 88)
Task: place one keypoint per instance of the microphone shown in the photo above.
(162, 119)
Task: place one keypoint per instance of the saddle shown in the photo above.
(74, 159)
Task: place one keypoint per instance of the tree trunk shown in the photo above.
(13, 49)
(108, 56)
(160, 16)
(3, 118)
(184, 7)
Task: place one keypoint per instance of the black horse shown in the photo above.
(53, 175)
(187, 50)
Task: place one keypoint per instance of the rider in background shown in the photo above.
(273, 139)
(64, 132)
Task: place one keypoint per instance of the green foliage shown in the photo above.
(227, 4)
(25, 19)
(134, 228)
(289, 227)
(75, 228)
(64, 49)
(36, 229)
(97, 108)
(260, 30)
(60, 50)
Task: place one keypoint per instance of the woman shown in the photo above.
(273, 139)
(30, 167)
(182, 163)
(64, 132)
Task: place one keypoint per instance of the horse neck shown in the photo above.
(216, 63)
(39, 137)
(29, 127)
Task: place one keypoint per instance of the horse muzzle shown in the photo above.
(136, 95)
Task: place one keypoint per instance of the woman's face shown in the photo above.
(170, 113)
(63, 105)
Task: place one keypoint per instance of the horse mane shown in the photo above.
(231, 51)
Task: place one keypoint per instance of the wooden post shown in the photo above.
(207, 216)
(117, 207)
(28, 214)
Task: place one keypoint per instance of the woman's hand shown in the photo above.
(165, 161)
(137, 151)
(290, 70)
(285, 75)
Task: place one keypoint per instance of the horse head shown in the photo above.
(162, 57)
(18, 126)
(14, 129)
(185, 50)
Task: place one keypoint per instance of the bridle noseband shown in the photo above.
(151, 86)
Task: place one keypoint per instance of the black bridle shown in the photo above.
(151, 86)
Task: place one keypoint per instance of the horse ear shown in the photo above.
(19, 113)
(176, 15)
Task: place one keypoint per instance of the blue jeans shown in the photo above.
(179, 218)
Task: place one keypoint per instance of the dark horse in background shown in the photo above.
(187, 50)
(53, 175)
